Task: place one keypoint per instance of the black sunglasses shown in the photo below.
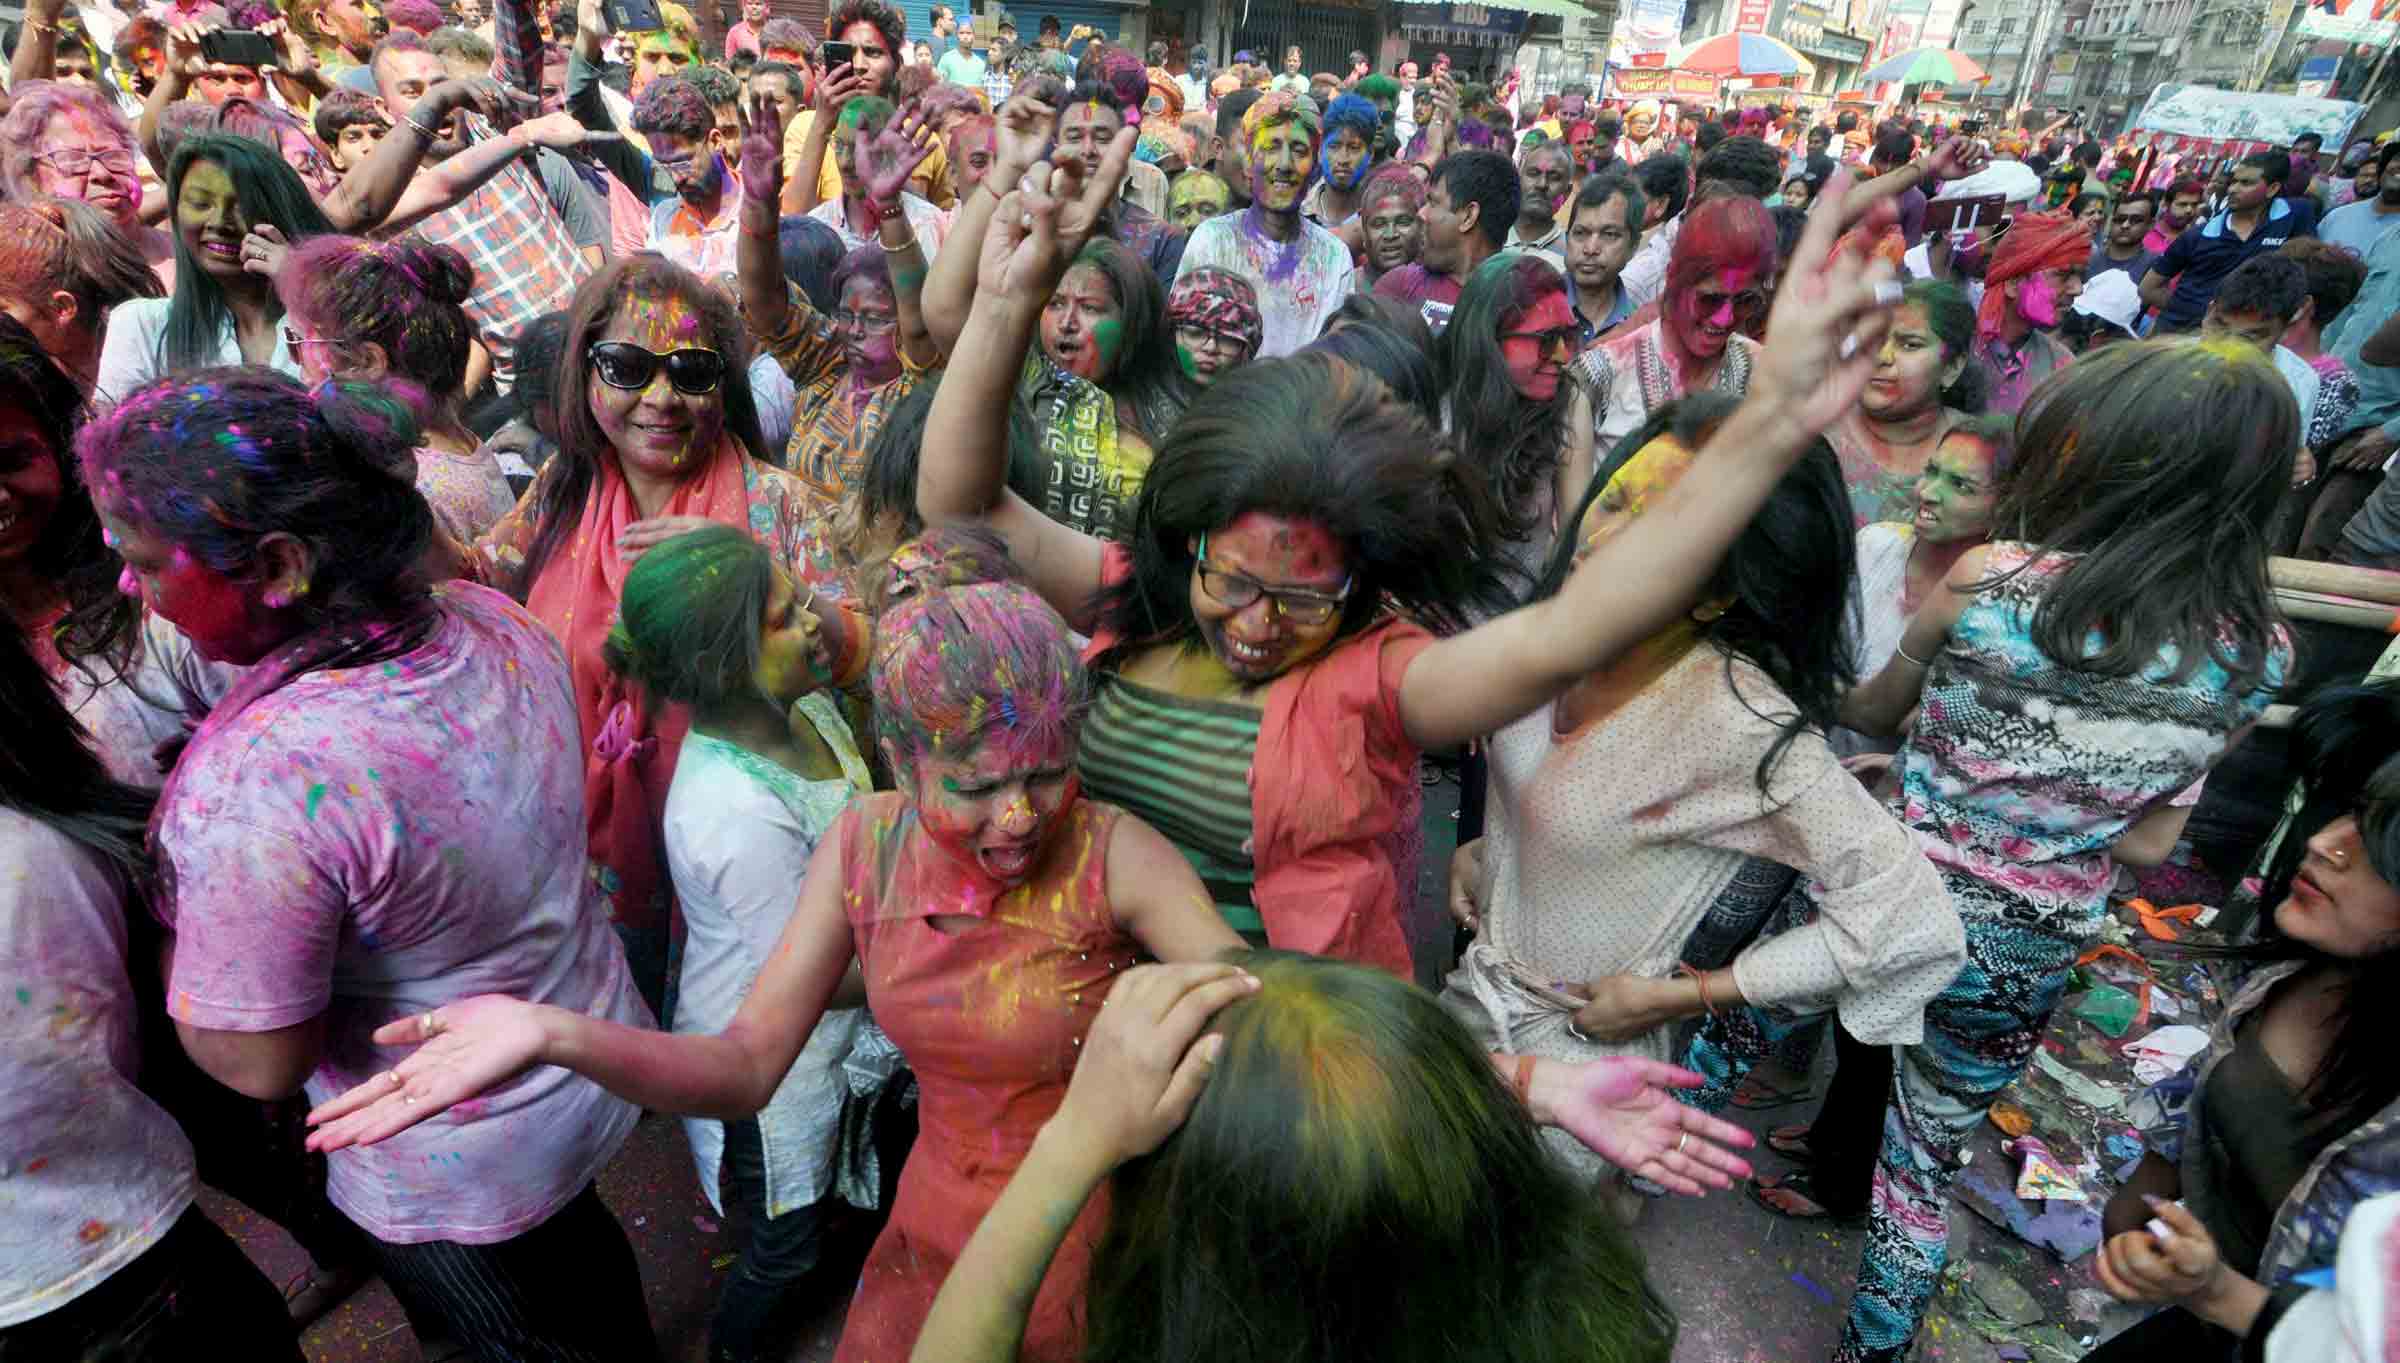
(622, 364)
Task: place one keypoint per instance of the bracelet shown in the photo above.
(882, 214)
(418, 128)
(1911, 657)
(911, 244)
(1701, 978)
(40, 25)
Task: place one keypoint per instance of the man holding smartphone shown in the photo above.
(861, 57)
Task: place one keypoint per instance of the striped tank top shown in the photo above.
(1183, 767)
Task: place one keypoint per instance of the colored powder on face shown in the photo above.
(2037, 300)
(1108, 338)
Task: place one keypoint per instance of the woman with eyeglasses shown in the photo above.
(1266, 663)
(1217, 323)
(71, 142)
(657, 435)
(224, 310)
(1509, 408)
(377, 311)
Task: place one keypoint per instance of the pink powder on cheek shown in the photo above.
(2037, 301)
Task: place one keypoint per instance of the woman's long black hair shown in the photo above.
(1514, 442)
(1149, 377)
(1313, 438)
(1788, 576)
(50, 775)
(98, 632)
(269, 191)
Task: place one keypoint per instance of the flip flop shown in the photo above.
(1791, 1142)
(1754, 1094)
(1803, 1205)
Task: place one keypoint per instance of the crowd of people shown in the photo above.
(895, 596)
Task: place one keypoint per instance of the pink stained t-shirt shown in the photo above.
(373, 843)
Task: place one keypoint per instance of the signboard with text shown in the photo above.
(1752, 16)
(1678, 85)
(2366, 22)
(1652, 25)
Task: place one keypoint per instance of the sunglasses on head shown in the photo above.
(622, 364)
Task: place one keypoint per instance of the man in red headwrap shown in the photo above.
(2035, 274)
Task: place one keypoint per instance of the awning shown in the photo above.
(1556, 9)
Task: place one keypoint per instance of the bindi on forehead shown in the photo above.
(1279, 549)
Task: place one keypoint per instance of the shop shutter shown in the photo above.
(1326, 33)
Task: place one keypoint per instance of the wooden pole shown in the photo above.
(2334, 579)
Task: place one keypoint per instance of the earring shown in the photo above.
(1709, 612)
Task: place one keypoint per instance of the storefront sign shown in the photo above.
(1677, 85)
(1752, 16)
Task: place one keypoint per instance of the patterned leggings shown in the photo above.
(1979, 1034)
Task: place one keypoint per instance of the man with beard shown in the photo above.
(1716, 282)
(1547, 173)
(2035, 274)
(2254, 222)
(2356, 227)
(1470, 205)
(1351, 128)
(1604, 224)
(2128, 222)
(694, 225)
(1301, 271)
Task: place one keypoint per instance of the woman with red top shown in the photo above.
(657, 435)
(1264, 643)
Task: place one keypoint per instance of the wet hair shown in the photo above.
(1376, 335)
(1488, 180)
(406, 297)
(1952, 320)
(2272, 285)
(49, 244)
(216, 460)
(1786, 578)
(886, 18)
(675, 105)
(1614, 182)
(26, 125)
(1744, 164)
(1417, 530)
(343, 108)
(581, 445)
(1516, 443)
(453, 41)
(2157, 465)
(689, 620)
(1665, 179)
(2334, 275)
(959, 662)
(1149, 376)
(268, 191)
(1350, 1118)
(1355, 112)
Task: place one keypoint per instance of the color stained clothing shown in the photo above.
(991, 1016)
(1882, 478)
(931, 180)
(1299, 282)
(629, 758)
(1091, 466)
(1159, 243)
(2017, 370)
(1334, 797)
(739, 832)
(833, 420)
(468, 492)
(365, 844)
(1633, 373)
(1433, 294)
(2337, 401)
(525, 262)
(1607, 845)
(1183, 767)
(99, 1173)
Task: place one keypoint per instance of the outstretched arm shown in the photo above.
(884, 165)
(37, 43)
(1828, 320)
(962, 476)
(367, 196)
(1020, 138)
(758, 250)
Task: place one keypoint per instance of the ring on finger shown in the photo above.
(1684, 1140)
(391, 1077)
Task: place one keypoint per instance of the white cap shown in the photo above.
(2111, 297)
(2013, 181)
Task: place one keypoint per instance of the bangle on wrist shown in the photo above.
(1909, 657)
(1700, 978)
(410, 120)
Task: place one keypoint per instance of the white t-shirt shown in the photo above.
(739, 833)
(130, 356)
(1299, 283)
(92, 1173)
(374, 843)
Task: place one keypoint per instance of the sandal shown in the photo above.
(1792, 1198)
(1755, 1094)
(1791, 1142)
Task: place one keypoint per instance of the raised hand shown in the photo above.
(887, 160)
(762, 153)
(1828, 318)
(1021, 259)
(264, 250)
(504, 105)
(1020, 137)
(1620, 1107)
(1956, 159)
(1144, 1061)
(841, 85)
(470, 1047)
(561, 131)
(2174, 1259)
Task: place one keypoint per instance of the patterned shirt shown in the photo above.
(831, 426)
(525, 264)
(1629, 376)
(1091, 468)
(1299, 282)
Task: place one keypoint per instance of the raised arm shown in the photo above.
(884, 164)
(1955, 159)
(1020, 137)
(758, 250)
(962, 476)
(1828, 319)
(476, 1044)
(296, 72)
(37, 43)
(367, 196)
(840, 86)
(431, 191)
(174, 77)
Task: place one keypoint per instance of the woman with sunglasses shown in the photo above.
(376, 311)
(1266, 670)
(1718, 276)
(657, 435)
(222, 190)
(1504, 360)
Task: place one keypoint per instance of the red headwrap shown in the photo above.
(2034, 242)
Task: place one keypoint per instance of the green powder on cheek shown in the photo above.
(1184, 355)
(1108, 336)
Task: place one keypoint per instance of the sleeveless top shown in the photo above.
(2020, 773)
(1183, 767)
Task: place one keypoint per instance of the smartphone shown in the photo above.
(237, 47)
(634, 16)
(837, 54)
(1960, 215)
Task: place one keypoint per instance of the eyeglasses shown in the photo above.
(622, 364)
(1292, 603)
(863, 321)
(1547, 341)
(1197, 338)
(293, 340)
(1745, 304)
(75, 161)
